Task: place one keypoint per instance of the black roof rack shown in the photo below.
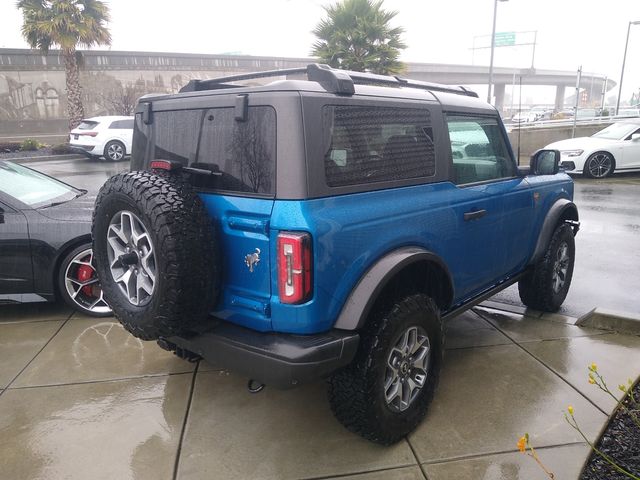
(333, 80)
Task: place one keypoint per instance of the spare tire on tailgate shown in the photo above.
(156, 253)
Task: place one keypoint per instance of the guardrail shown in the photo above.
(568, 122)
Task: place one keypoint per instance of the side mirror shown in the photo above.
(545, 162)
(635, 136)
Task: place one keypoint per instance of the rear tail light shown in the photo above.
(294, 267)
(88, 134)
(165, 165)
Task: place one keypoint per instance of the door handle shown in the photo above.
(474, 215)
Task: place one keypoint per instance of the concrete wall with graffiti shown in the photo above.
(32, 85)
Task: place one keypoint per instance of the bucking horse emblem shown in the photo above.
(252, 259)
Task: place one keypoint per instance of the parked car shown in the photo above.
(539, 113)
(614, 149)
(523, 116)
(45, 241)
(108, 137)
(324, 228)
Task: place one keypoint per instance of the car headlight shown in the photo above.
(572, 153)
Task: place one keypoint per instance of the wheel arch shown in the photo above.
(409, 269)
(561, 211)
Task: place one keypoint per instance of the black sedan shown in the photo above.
(45, 241)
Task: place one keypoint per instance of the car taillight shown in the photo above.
(294, 267)
(88, 134)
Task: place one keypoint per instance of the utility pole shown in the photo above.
(575, 108)
(624, 60)
(604, 92)
(493, 47)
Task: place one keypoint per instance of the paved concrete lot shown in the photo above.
(81, 398)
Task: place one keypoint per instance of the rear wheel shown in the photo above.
(78, 283)
(384, 394)
(156, 254)
(599, 165)
(114, 151)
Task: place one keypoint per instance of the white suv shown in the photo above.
(103, 136)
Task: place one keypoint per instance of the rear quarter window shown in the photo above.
(366, 144)
(122, 124)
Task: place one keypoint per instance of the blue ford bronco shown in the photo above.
(327, 224)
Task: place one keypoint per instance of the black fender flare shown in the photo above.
(561, 209)
(363, 296)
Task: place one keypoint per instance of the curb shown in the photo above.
(42, 158)
(599, 318)
(604, 319)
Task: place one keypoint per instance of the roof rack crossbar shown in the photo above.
(333, 80)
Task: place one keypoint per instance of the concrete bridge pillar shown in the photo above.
(499, 96)
(559, 105)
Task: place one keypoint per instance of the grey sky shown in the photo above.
(570, 32)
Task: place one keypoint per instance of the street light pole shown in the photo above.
(624, 60)
(493, 46)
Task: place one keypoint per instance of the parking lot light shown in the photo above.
(624, 59)
(493, 47)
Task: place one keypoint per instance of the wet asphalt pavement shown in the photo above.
(607, 270)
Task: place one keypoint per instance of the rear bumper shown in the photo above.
(276, 359)
(86, 149)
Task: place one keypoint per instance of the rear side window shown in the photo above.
(87, 125)
(122, 124)
(240, 155)
(374, 144)
(478, 149)
(176, 135)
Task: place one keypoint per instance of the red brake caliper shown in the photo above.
(85, 272)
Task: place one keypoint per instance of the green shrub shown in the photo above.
(61, 149)
(30, 144)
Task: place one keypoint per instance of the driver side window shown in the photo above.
(478, 150)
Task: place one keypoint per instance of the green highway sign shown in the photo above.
(505, 39)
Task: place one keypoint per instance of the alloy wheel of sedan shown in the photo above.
(82, 284)
(131, 256)
(599, 165)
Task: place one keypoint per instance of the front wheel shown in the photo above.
(547, 285)
(384, 394)
(599, 165)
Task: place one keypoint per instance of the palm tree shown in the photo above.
(356, 35)
(67, 24)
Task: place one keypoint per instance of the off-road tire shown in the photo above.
(187, 254)
(179, 352)
(356, 392)
(536, 288)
